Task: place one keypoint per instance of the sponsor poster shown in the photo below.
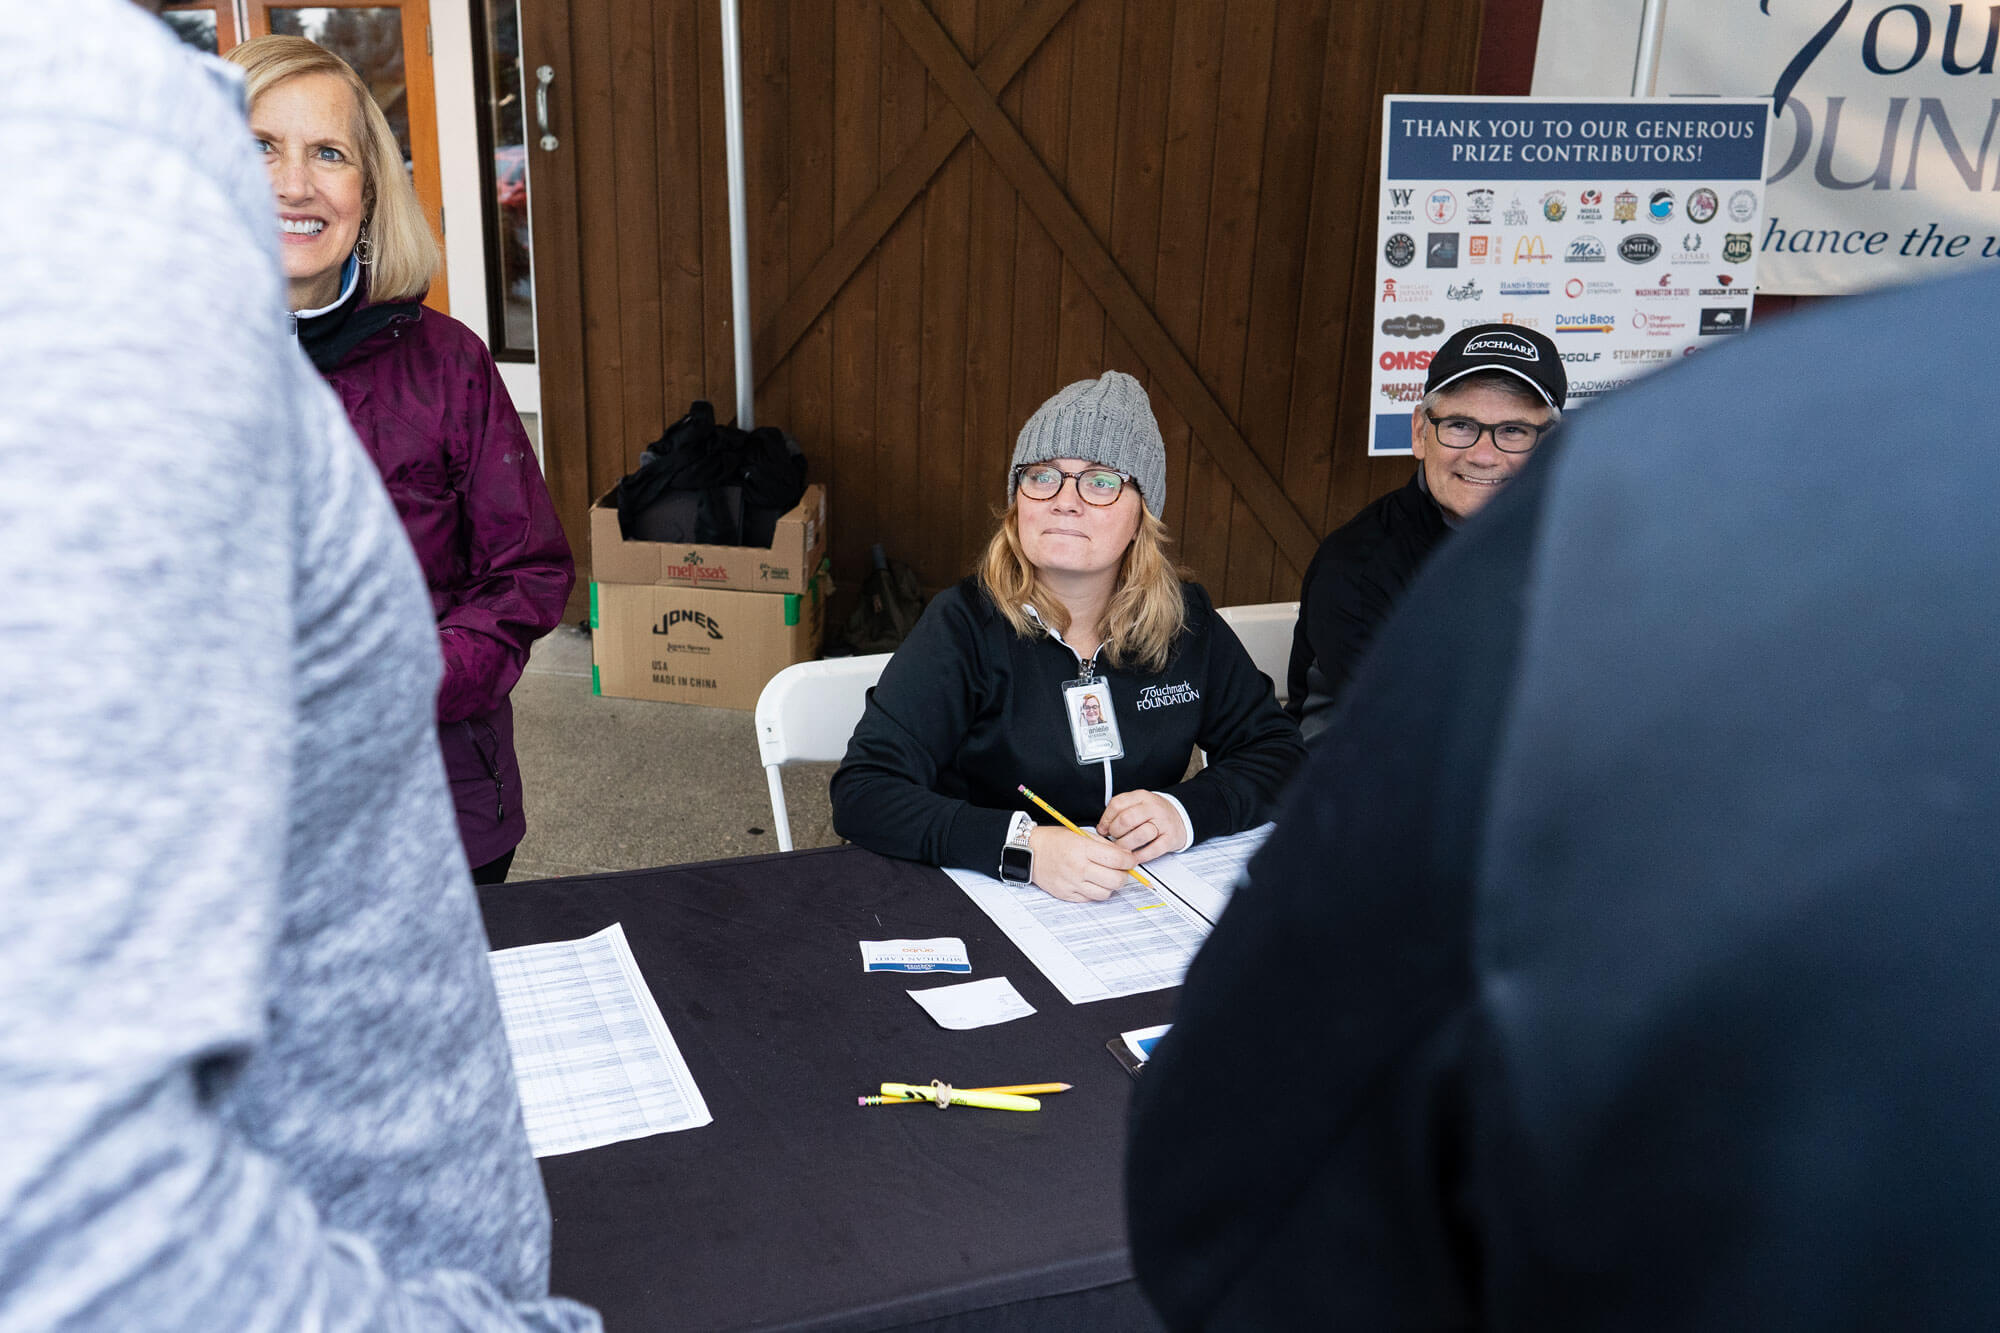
(1624, 230)
(1884, 161)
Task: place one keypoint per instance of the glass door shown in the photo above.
(502, 90)
(202, 24)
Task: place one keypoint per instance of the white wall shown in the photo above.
(1587, 48)
(458, 154)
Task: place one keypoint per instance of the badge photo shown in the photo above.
(1093, 725)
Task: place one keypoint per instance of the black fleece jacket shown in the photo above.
(1355, 580)
(967, 709)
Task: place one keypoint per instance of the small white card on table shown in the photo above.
(973, 1004)
(946, 954)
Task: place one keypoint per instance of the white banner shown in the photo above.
(1624, 230)
(1884, 161)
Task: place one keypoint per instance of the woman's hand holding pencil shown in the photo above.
(1077, 866)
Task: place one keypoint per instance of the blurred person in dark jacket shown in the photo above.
(426, 399)
(1626, 959)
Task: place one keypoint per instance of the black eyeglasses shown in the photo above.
(1097, 485)
(1509, 437)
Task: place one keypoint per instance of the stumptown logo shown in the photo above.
(699, 619)
(693, 570)
(1166, 696)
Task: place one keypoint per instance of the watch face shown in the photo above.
(1017, 864)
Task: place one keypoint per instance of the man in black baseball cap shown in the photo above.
(1492, 392)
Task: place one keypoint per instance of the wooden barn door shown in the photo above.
(958, 206)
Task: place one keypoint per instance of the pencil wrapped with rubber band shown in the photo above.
(1011, 1089)
(1057, 815)
(943, 1095)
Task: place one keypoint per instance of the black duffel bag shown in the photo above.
(701, 482)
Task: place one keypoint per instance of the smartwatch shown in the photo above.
(1017, 858)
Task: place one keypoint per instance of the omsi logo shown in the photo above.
(1406, 360)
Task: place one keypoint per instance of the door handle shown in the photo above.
(544, 76)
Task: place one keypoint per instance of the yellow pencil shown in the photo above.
(1134, 872)
(911, 1096)
(946, 1095)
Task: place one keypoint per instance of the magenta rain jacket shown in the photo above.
(427, 401)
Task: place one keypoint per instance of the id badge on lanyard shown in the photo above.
(1093, 724)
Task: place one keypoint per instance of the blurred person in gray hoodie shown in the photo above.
(252, 1072)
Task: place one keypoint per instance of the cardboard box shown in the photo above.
(786, 566)
(708, 646)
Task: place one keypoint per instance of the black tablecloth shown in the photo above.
(797, 1208)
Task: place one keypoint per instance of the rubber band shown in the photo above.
(941, 1093)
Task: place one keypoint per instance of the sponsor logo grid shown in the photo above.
(1624, 274)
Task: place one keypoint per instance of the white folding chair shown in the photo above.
(1266, 631)
(805, 715)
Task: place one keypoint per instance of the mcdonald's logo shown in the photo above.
(1531, 250)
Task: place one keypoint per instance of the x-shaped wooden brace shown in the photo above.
(972, 96)
(858, 239)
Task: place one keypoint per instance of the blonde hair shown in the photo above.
(406, 253)
(1148, 610)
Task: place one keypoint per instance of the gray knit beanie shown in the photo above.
(1107, 420)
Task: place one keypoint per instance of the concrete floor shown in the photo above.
(621, 784)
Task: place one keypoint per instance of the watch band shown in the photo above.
(1017, 856)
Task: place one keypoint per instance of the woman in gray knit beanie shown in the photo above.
(1076, 664)
(1090, 544)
